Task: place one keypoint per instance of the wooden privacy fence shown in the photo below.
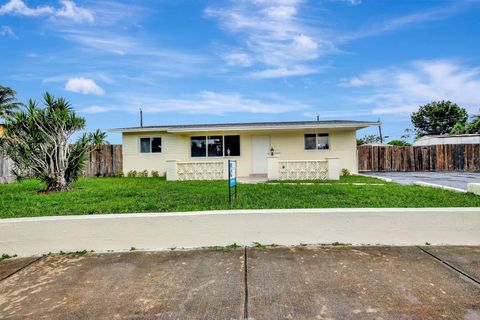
(103, 162)
(446, 157)
(5, 169)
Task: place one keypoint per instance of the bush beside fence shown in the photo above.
(103, 162)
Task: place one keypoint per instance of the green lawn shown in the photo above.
(117, 195)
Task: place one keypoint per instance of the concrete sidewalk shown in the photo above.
(255, 283)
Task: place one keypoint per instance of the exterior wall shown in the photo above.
(174, 147)
(288, 144)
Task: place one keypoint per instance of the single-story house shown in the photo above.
(448, 139)
(282, 150)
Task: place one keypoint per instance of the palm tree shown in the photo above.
(8, 102)
(474, 125)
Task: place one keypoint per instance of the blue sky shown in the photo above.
(230, 61)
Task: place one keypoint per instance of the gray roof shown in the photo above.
(252, 126)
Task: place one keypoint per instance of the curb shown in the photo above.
(438, 186)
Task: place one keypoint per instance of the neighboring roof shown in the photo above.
(443, 136)
(253, 126)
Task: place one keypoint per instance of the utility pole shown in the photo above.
(141, 117)
(380, 131)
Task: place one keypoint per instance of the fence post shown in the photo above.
(272, 163)
(333, 168)
(171, 170)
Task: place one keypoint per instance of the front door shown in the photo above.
(260, 148)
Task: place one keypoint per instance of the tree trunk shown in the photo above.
(58, 184)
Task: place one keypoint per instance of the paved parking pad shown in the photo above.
(464, 258)
(163, 285)
(459, 180)
(9, 267)
(356, 283)
(282, 283)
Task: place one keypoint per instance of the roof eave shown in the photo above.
(356, 126)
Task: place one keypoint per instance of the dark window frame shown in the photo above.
(317, 135)
(150, 150)
(206, 138)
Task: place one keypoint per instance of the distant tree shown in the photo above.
(474, 125)
(37, 139)
(438, 117)
(8, 102)
(371, 138)
(460, 128)
(400, 143)
(407, 133)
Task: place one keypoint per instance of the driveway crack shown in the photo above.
(452, 267)
(22, 268)
(245, 303)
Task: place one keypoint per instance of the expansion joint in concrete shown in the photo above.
(22, 268)
(245, 279)
(450, 266)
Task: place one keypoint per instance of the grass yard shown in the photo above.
(129, 195)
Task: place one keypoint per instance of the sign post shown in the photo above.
(232, 180)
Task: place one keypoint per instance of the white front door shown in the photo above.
(260, 148)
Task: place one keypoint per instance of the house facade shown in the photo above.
(182, 151)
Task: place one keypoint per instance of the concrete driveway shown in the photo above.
(458, 180)
(254, 283)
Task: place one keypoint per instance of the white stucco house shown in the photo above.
(296, 150)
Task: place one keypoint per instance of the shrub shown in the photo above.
(345, 172)
(155, 174)
(132, 173)
(400, 143)
(143, 174)
(120, 174)
(38, 141)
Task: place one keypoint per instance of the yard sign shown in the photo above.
(232, 179)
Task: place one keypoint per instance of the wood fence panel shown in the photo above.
(6, 166)
(105, 161)
(448, 157)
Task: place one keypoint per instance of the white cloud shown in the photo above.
(238, 59)
(18, 7)
(400, 90)
(84, 86)
(68, 9)
(296, 70)
(272, 35)
(354, 2)
(7, 31)
(395, 23)
(96, 109)
(205, 102)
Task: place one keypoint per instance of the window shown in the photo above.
(310, 141)
(199, 147)
(232, 146)
(156, 145)
(316, 141)
(215, 146)
(151, 145)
